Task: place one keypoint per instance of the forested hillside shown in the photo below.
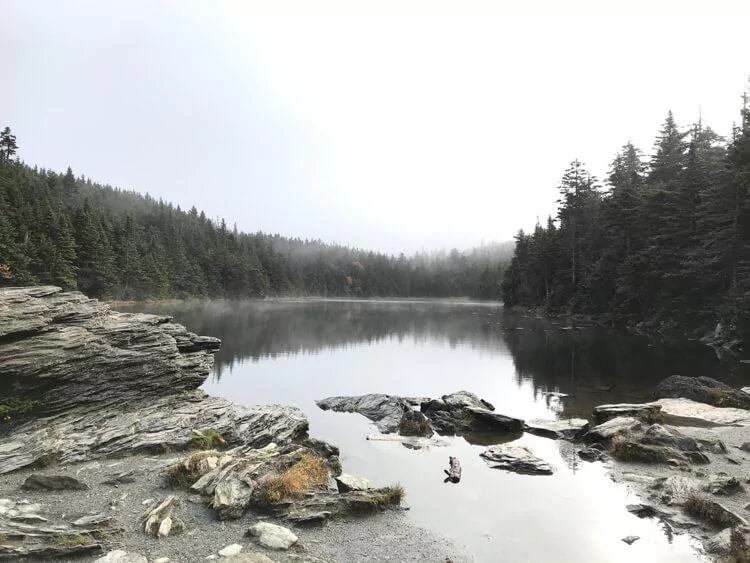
(106, 242)
(665, 245)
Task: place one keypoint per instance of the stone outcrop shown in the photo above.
(460, 413)
(516, 458)
(567, 428)
(66, 350)
(685, 412)
(703, 390)
(646, 412)
(165, 423)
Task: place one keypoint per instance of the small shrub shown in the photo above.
(709, 511)
(206, 440)
(308, 473)
(414, 427)
(188, 471)
(71, 540)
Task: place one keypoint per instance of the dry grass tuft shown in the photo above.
(188, 471)
(308, 473)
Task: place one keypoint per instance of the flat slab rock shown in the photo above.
(557, 429)
(516, 458)
(38, 482)
(614, 427)
(164, 422)
(684, 412)
(273, 536)
(702, 389)
(647, 412)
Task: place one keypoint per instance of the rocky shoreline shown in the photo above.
(109, 452)
(685, 453)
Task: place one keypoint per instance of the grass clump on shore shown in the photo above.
(71, 540)
(206, 440)
(308, 473)
(710, 511)
(190, 469)
(414, 427)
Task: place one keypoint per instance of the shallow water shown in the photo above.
(294, 352)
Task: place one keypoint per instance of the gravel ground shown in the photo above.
(388, 536)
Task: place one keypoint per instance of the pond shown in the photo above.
(297, 351)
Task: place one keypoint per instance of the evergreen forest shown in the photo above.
(110, 243)
(663, 245)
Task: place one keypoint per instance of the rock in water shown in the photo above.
(273, 536)
(557, 429)
(516, 458)
(703, 390)
(120, 556)
(631, 539)
(684, 412)
(384, 410)
(346, 482)
(38, 482)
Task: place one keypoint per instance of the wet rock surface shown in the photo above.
(516, 458)
(703, 390)
(567, 428)
(461, 413)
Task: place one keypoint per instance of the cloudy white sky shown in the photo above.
(395, 125)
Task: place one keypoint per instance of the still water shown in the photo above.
(294, 352)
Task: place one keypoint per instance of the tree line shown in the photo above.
(111, 243)
(663, 246)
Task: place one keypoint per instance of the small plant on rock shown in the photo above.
(190, 469)
(206, 440)
(308, 473)
(71, 540)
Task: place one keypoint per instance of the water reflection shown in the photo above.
(591, 366)
(296, 352)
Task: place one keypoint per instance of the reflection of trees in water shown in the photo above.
(596, 366)
(259, 329)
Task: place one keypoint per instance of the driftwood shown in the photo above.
(454, 471)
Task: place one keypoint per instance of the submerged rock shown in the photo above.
(703, 390)
(273, 536)
(516, 458)
(557, 429)
(630, 540)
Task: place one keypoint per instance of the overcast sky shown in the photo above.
(390, 125)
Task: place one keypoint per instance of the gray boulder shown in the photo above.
(516, 458)
(273, 536)
(721, 543)
(703, 390)
(346, 483)
(384, 410)
(557, 429)
(120, 556)
(645, 412)
(38, 482)
(614, 427)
